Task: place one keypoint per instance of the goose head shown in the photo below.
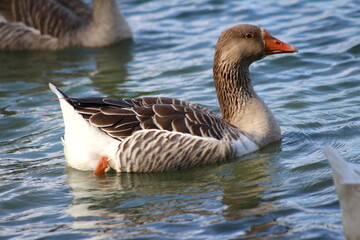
(244, 44)
(235, 50)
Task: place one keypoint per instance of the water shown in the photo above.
(284, 191)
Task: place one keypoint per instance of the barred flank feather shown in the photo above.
(154, 151)
(20, 37)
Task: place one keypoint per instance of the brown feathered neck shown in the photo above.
(233, 85)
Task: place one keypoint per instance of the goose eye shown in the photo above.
(248, 36)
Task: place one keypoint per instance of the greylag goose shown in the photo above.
(152, 134)
(56, 24)
(347, 182)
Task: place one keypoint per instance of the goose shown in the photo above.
(347, 183)
(152, 134)
(57, 24)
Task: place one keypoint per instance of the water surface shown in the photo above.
(284, 191)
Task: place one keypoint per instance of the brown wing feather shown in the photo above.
(5, 10)
(120, 118)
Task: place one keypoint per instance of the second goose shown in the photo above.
(57, 24)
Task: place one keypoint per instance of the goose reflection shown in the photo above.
(129, 204)
(105, 67)
(111, 68)
(246, 192)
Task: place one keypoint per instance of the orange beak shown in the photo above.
(275, 46)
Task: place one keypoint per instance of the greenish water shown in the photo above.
(284, 191)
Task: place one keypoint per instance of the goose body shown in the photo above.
(347, 182)
(57, 24)
(152, 134)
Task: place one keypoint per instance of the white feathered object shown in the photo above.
(347, 182)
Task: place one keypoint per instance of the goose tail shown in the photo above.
(83, 143)
(59, 93)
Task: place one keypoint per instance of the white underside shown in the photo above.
(243, 146)
(83, 143)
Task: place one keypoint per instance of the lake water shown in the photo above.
(284, 191)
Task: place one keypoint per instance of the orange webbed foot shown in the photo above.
(103, 164)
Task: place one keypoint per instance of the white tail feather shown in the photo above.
(55, 90)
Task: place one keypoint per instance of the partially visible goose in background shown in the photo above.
(56, 24)
(151, 134)
(346, 176)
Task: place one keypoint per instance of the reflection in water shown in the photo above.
(244, 189)
(137, 204)
(111, 68)
(106, 67)
(44, 66)
(245, 186)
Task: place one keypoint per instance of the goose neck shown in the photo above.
(108, 25)
(233, 87)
